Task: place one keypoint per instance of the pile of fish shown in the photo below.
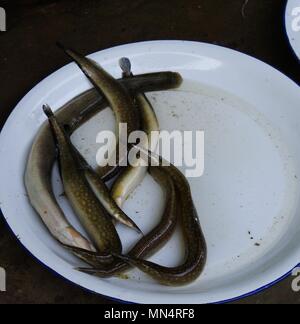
(97, 207)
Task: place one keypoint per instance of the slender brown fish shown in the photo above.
(128, 181)
(126, 113)
(43, 153)
(194, 239)
(150, 243)
(118, 98)
(103, 194)
(134, 174)
(87, 207)
(39, 169)
(151, 82)
(196, 250)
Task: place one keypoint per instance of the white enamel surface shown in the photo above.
(247, 199)
(292, 21)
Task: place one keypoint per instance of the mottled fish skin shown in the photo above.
(118, 98)
(90, 257)
(103, 194)
(83, 200)
(134, 174)
(38, 181)
(151, 242)
(196, 249)
(124, 107)
(151, 82)
(125, 112)
(191, 269)
(43, 153)
(128, 182)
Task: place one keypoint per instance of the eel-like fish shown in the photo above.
(196, 252)
(103, 194)
(86, 205)
(133, 175)
(43, 153)
(182, 207)
(119, 99)
(196, 249)
(127, 182)
(149, 244)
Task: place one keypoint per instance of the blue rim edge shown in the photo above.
(259, 290)
(286, 32)
(255, 292)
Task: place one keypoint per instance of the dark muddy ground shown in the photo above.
(28, 54)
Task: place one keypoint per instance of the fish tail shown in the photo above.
(48, 111)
